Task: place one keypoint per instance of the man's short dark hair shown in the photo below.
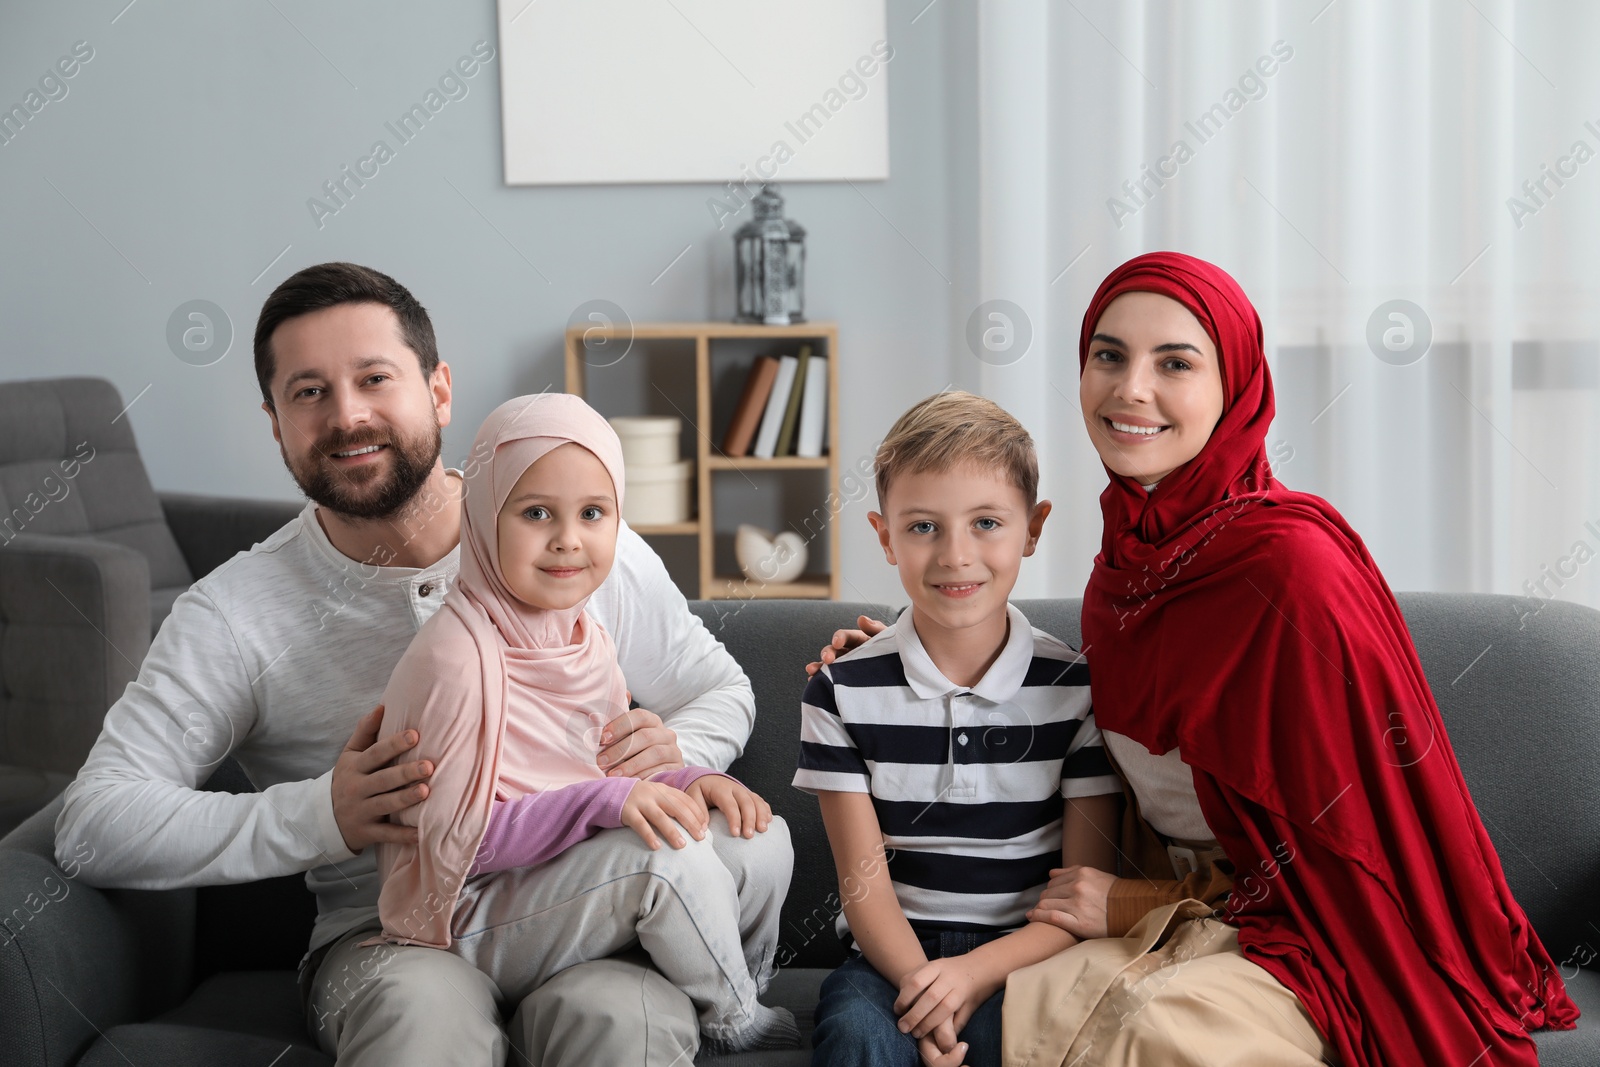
(328, 285)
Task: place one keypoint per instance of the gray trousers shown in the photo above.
(406, 1005)
(706, 913)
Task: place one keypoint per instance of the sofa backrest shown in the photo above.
(1519, 689)
(773, 640)
(69, 466)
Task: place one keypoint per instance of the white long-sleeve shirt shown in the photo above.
(272, 658)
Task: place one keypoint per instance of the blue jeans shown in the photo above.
(856, 1023)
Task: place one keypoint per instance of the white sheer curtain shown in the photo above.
(1333, 157)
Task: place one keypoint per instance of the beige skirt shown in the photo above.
(1175, 992)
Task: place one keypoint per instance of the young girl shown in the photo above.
(521, 865)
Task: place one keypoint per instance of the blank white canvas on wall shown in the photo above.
(603, 91)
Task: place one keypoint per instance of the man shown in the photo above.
(272, 657)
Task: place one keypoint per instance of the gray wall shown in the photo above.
(179, 162)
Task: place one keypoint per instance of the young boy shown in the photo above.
(940, 751)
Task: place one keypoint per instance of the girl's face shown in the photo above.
(1151, 389)
(557, 531)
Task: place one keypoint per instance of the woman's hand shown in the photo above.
(1075, 900)
(652, 806)
(946, 990)
(844, 640)
(747, 813)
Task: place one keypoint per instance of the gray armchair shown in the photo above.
(91, 559)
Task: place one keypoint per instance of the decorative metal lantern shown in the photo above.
(770, 261)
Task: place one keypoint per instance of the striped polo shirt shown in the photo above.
(968, 783)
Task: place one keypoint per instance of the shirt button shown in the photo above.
(427, 587)
(961, 739)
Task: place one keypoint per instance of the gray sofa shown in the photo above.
(170, 978)
(91, 559)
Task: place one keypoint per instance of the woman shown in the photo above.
(1255, 681)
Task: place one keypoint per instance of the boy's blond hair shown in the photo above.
(957, 429)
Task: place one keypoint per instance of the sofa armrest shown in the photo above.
(76, 960)
(210, 529)
(74, 627)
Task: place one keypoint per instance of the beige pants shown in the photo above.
(1175, 992)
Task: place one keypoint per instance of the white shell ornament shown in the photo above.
(769, 560)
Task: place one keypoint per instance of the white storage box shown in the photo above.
(657, 493)
(648, 440)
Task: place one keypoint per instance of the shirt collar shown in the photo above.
(999, 683)
(445, 567)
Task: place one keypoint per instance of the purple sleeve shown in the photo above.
(541, 826)
(684, 777)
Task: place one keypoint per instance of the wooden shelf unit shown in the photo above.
(709, 460)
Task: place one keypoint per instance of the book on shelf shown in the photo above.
(777, 405)
(752, 402)
(791, 413)
(813, 409)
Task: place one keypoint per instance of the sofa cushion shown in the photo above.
(1580, 1047)
(191, 1046)
(261, 1003)
(797, 989)
(237, 1017)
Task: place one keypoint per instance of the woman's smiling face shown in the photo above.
(1151, 389)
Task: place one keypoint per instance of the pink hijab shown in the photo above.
(503, 695)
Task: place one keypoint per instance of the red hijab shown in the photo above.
(1247, 625)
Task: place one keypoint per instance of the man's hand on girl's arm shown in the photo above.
(366, 790)
(637, 744)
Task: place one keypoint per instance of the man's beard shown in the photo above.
(366, 492)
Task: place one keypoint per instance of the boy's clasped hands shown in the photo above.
(936, 1000)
